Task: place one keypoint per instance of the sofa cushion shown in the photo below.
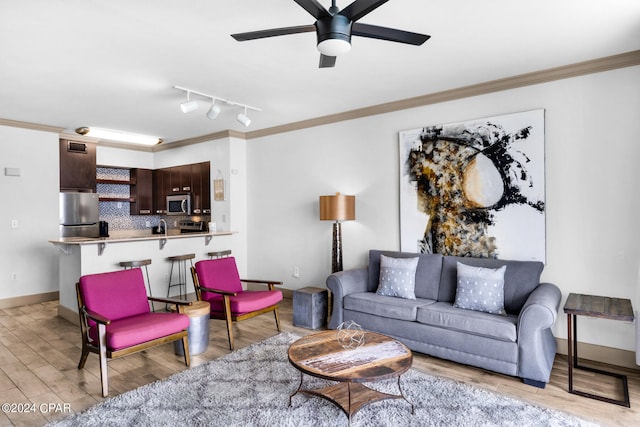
(384, 306)
(520, 279)
(445, 315)
(480, 289)
(397, 277)
(427, 272)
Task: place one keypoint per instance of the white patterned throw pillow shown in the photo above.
(397, 277)
(481, 289)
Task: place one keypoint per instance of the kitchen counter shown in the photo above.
(131, 236)
(80, 256)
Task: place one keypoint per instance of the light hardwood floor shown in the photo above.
(39, 353)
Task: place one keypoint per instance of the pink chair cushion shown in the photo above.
(141, 328)
(245, 302)
(221, 273)
(115, 295)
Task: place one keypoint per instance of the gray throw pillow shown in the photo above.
(397, 277)
(480, 289)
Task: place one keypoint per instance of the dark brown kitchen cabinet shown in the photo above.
(196, 188)
(180, 178)
(160, 190)
(141, 192)
(192, 178)
(77, 166)
(205, 190)
(201, 188)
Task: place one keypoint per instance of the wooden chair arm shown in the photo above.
(218, 291)
(170, 301)
(270, 283)
(98, 318)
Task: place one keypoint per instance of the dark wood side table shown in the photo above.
(600, 307)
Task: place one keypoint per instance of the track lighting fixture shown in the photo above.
(215, 108)
(243, 118)
(189, 105)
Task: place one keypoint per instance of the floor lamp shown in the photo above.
(337, 208)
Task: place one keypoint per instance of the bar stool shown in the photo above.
(182, 272)
(138, 264)
(219, 254)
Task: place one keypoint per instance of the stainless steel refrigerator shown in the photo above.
(79, 215)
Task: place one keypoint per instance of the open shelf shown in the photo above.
(114, 181)
(117, 199)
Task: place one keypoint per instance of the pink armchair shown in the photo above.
(217, 281)
(115, 319)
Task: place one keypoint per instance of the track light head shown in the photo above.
(243, 118)
(213, 111)
(189, 105)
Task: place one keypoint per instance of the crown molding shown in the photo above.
(623, 60)
(32, 126)
(607, 63)
(198, 139)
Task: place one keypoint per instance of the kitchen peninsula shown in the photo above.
(81, 255)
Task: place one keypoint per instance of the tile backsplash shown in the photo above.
(116, 213)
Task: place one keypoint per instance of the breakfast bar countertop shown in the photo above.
(133, 237)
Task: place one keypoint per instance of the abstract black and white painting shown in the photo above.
(475, 188)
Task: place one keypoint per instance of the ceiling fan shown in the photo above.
(335, 27)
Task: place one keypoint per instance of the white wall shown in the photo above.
(592, 200)
(32, 200)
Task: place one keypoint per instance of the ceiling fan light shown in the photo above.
(243, 119)
(334, 47)
(189, 106)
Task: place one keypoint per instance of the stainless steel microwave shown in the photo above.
(179, 204)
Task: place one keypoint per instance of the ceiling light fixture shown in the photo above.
(334, 34)
(215, 109)
(120, 136)
(243, 118)
(189, 105)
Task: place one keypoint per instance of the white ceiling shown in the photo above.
(113, 63)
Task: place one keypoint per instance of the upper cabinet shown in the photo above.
(141, 192)
(77, 166)
(160, 190)
(192, 178)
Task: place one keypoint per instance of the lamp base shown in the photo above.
(336, 258)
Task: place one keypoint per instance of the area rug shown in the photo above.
(251, 387)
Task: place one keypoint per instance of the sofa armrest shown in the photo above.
(342, 284)
(536, 344)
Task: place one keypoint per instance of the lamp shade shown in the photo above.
(337, 208)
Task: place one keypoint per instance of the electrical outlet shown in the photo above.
(14, 223)
(147, 224)
(119, 205)
(296, 271)
(14, 276)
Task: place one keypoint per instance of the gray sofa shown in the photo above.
(519, 344)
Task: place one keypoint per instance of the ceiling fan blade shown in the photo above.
(327, 61)
(360, 8)
(314, 8)
(253, 35)
(390, 34)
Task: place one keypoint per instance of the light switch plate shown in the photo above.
(11, 171)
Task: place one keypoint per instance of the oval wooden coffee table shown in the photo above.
(379, 358)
